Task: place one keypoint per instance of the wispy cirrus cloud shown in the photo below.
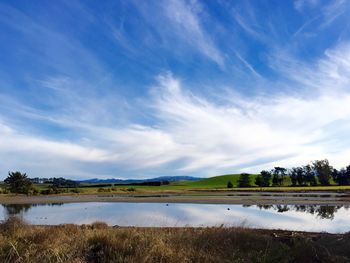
(179, 26)
(333, 11)
(186, 19)
(75, 107)
(324, 17)
(300, 5)
(197, 134)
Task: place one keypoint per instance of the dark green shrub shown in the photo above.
(16, 182)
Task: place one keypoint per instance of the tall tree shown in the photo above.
(347, 174)
(323, 171)
(278, 175)
(18, 183)
(259, 180)
(341, 177)
(293, 176)
(275, 179)
(266, 178)
(300, 176)
(244, 180)
(297, 176)
(310, 175)
(337, 176)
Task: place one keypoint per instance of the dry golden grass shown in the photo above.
(100, 243)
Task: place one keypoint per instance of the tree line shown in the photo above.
(319, 172)
(17, 182)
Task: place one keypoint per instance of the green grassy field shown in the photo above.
(217, 183)
(214, 182)
(220, 183)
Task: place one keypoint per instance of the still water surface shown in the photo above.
(333, 219)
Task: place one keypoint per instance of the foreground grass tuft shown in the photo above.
(98, 242)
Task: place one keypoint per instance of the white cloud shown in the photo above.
(185, 15)
(181, 27)
(194, 134)
(333, 11)
(248, 65)
(326, 75)
(13, 142)
(226, 136)
(258, 132)
(249, 24)
(326, 15)
(300, 5)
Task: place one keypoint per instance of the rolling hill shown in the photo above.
(216, 181)
(221, 181)
(130, 181)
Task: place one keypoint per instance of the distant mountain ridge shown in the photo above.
(130, 181)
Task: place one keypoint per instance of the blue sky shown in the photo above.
(150, 88)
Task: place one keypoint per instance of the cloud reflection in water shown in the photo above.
(332, 219)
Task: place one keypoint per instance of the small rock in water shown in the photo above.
(228, 208)
(167, 204)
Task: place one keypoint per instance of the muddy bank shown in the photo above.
(245, 198)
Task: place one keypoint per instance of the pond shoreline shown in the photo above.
(252, 198)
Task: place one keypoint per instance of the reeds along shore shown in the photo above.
(20, 242)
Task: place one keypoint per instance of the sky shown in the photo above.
(139, 89)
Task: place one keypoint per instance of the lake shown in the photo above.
(332, 219)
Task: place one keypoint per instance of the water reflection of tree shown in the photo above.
(265, 207)
(282, 208)
(20, 209)
(15, 209)
(327, 212)
(323, 212)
